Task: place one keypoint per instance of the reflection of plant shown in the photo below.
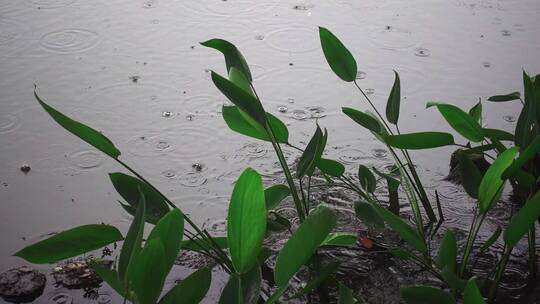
(142, 266)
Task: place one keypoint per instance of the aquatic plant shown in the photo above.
(143, 263)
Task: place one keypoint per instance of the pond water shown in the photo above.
(135, 70)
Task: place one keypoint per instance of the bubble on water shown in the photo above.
(506, 33)
(300, 115)
(360, 75)
(316, 112)
(282, 109)
(509, 118)
(167, 114)
(422, 52)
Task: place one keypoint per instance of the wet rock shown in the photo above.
(25, 168)
(478, 160)
(22, 284)
(77, 274)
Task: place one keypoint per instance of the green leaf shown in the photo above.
(275, 194)
(132, 243)
(494, 237)
(312, 153)
(70, 243)
(238, 123)
(194, 246)
(469, 173)
(522, 221)
(492, 183)
(525, 156)
(330, 167)
(232, 292)
(524, 132)
(89, 135)
(392, 105)
(170, 230)
(320, 276)
(472, 294)
(242, 289)
(498, 134)
(367, 179)
(345, 295)
(476, 112)
(277, 222)
(460, 121)
(369, 216)
(128, 187)
(190, 290)
(452, 279)
(507, 97)
(246, 221)
(393, 186)
(448, 251)
(403, 229)
(426, 295)
(338, 57)
(303, 243)
(340, 239)
(419, 140)
(244, 100)
(147, 275)
(110, 277)
(365, 120)
(233, 57)
(237, 77)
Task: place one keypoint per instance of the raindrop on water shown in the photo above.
(300, 114)
(509, 118)
(360, 75)
(486, 64)
(422, 52)
(167, 114)
(506, 33)
(369, 91)
(282, 109)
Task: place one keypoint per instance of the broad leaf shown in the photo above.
(394, 99)
(147, 275)
(70, 243)
(525, 156)
(190, 290)
(345, 295)
(460, 121)
(277, 222)
(524, 132)
(128, 187)
(469, 173)
(365, 120)
(242, 289)
(426, 295)
(170, 230)
(110, 277)
(367, 179)
(238, 123)
(246, 221)
(340, 239)
(303, 243)
(330, 167)
(522, 221)
(132, 243)
(312, 153)
(472, 294)
(233, 57)
(476, 112)
(320, 275)
(419, 140)
(498, 134)
(275, 194)
(89, 135)
(492, 183)
(448, 251)
(341, 61)
(196, 246)
(369, 216)
(506, 97)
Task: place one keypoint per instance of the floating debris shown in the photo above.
(77, 274)
(135, 78)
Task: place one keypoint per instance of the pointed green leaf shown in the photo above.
(365, 120)
(340, 239)
(369, 216)
(469, 173)
(170, 229)
(275, 194)
(448, 251)
(506, 97)
(498, 134)
(522, 221)
(492, 183)
(330, 167)
(243, 289)
(345, 295)
(128, 187)
(238, 123)
(367, 179)
(246, 221)
(476, 112)
(494, 237)
(132, 243)
(233, 57)
(426, 295)
(110, 277)
(524, 132)
(237, 77)
(419, 140)
(460, 121)
(194, 246)
(312, 153)
(147, 275)
(70, 243)
(392, 105)
(303, 243)
(472, 294)
(89, 135)
(525, 156)
(338, 57)
(190, 290)
(277, 222)
(403, 229)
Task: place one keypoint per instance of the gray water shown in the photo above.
(135, 71)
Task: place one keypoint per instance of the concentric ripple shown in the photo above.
(49, 4)
(68, 41)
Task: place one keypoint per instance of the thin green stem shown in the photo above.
(473, 232)
(498, 275)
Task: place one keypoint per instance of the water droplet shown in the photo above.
(290, 100)
(150, 3)
(168, 173)
(486, 64)
(300, 115)
(282, 109)
(61, 298)
(167, 114)
(162, 145)
(422, 52)
(509, 118)
(506, 33)
(360, 75)
(197, 167)
(104, 299)
(317, 112)
(190, 117)
(369, 91)
(379, 153)
(25, 168)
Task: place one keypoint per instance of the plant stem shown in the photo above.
(498, 275)
(473, 232)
